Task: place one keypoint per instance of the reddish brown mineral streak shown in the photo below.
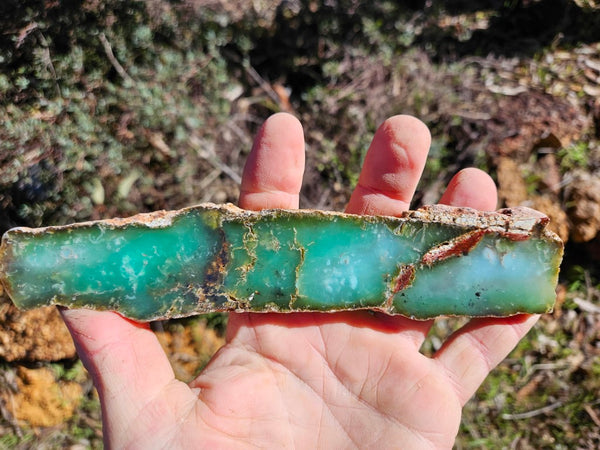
(405, 278)
(458, 246)
(515, 236)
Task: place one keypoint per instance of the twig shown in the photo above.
(9, 418)
(473, 115)
(323, 198)
(592, 414)
(506, 90)
(24, 32)
(210, 156)
(588, 285)
(264, 84)
(208, 179)
(533, 413)
(586, 306)
(48, 59)
(225, 169)
(235, 129)
(548, 366)
(111, 57)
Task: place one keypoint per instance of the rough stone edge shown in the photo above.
(520, 219)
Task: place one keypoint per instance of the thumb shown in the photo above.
(125, 360)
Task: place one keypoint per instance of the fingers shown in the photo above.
(392, 167)
(273, 173)
(473, 188)
(387, 182)
(272, 176)
(474, 350)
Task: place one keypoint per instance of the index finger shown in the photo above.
(273, 173)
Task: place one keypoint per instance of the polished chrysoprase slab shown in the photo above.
(437, 260)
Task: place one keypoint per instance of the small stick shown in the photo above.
(533, 413)
(113, 60)
(592, 414)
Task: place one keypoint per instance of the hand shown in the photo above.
(306, 380)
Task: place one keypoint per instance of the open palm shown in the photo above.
(304, 380)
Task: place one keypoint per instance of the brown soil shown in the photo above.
(37, 335)
(41, 400)
(583, 195)
(532, 120)
(550, 205)
(527, 131)
(512, 189)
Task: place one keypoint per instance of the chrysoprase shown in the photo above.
(437, 260)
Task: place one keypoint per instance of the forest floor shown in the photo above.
(112, 108)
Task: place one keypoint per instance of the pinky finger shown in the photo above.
(473, 351)
(471, 187)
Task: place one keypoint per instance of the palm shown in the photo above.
(316, 368)
(304, 380)
(279, 380)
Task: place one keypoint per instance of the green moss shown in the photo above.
(574, 156)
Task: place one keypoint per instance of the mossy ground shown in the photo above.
(110, 108)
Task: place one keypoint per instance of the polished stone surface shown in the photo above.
(429, 262)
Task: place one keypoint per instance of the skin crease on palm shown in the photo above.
(304, 380)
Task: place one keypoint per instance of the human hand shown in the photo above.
(305, 380)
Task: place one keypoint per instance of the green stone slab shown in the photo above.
(433, 261)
